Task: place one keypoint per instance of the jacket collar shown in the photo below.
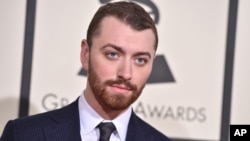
(65, 125)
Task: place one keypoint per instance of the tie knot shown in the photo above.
(106, 129)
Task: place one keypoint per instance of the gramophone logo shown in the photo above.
(161, 72)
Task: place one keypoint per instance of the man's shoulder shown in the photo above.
(47, 119)
(44, 125)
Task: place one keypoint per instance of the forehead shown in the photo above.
(115, 31)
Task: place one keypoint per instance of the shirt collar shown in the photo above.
(89, 119)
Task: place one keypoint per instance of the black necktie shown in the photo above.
(106, 129)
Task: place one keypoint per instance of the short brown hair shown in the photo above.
(130, 13)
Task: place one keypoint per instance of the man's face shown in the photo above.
(120, 62)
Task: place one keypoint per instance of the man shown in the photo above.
(118, 57)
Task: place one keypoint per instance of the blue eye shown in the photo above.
(112, 55)
(141, 61)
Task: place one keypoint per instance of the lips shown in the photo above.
(120, 89)
(120, 86)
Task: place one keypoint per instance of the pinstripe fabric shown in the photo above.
(58, 125)
(138, 130)
(64, 125)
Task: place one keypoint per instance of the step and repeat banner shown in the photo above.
(12, 23)
(184, 95)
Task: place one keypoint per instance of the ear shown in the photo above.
(85, 54)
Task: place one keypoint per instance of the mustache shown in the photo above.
(127, 84)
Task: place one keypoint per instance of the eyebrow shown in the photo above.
(123, 52)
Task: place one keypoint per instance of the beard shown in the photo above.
(112, 101)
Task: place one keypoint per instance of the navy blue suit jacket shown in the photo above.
(64, 125)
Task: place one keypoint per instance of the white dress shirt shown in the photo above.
(89, 119)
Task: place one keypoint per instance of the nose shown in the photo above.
(125, 70)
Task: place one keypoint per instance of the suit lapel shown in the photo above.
(65, 125)
(134, 132)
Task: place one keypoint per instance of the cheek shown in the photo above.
(141, 76)
(103, 69)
